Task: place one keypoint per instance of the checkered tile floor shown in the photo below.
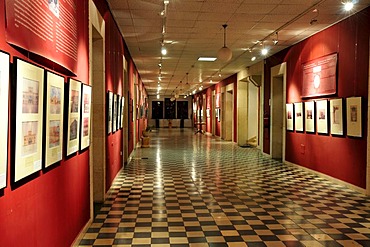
(195, 190)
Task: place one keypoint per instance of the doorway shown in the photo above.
(98, 125)
(227, 113)
(278, 99)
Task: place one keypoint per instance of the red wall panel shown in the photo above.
(50, 207)
(344, 157)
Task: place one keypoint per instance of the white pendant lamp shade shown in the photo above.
(225, 53)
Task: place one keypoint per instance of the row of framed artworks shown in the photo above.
(116, 104)
(39, 98)
(301, 116)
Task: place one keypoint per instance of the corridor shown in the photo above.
(196, 190)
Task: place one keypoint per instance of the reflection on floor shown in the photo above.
(195, 190)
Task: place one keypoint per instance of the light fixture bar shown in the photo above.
(207, 59)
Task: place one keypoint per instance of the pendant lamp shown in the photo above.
(224, 54)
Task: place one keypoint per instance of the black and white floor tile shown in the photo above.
(199, 191)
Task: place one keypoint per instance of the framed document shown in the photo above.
(289, 117)
(110, 112)
(309, 115)
(4, 99)
(298, 116)
(119, 99)
(354, 116)
(114, 112)
(54, 118)
(322, 116)
(29, 115)
(122, 110)
(74, 110)
(336, 116)
(85, 117)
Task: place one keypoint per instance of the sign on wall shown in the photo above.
(320, 76)
(45, 27)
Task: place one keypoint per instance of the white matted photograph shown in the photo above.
(29, 119)
(54, 118)
(336, 116)
(298, 116)
(354, 116)
(110, 112)
(74, 108)
(322, 116)
(289, 117)
(4, 99)
(122, 110)
(85, 113)
(114, 113)
(309, 108)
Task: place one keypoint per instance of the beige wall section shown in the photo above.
(97, 79)
(249, 107)
(278, 100)
(368, 139)
(125, 112)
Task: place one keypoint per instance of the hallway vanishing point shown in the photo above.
(197, 190)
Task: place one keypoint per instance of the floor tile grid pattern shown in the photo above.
(194, 190)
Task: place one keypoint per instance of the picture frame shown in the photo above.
(54, 119)
(119, 99)
(309, 108)
(114, 113)
(85, 126)
(290, 116)
(74, 114)
(336, 116)
(354, 116)
(208, 113)
(122, 110)
(322, 116)
(29, 118)
(4, 99)
(110, 112)
(298, 116)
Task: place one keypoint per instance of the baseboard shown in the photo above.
(331, 179)
(79, 237)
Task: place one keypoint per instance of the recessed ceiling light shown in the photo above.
(348, 5)
(264, 51)
(253, 59)
(207, 59)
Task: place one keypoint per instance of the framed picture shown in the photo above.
(29, 115)
(309, 108)
(4, 98)
(216, 113)
(114, 112)
(122, 110)
(74, 114)
(54, 118)
(298, 116)
(208, 112)
(354, 116)
(322, 116)
(85, 117)
(110, 112)
(119, 99)
(289, 117)
(336, 116)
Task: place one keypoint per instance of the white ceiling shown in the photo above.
(195, 29)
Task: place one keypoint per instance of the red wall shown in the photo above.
(344, 157)
(217, 88)
(115, 49)
(50, 207)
